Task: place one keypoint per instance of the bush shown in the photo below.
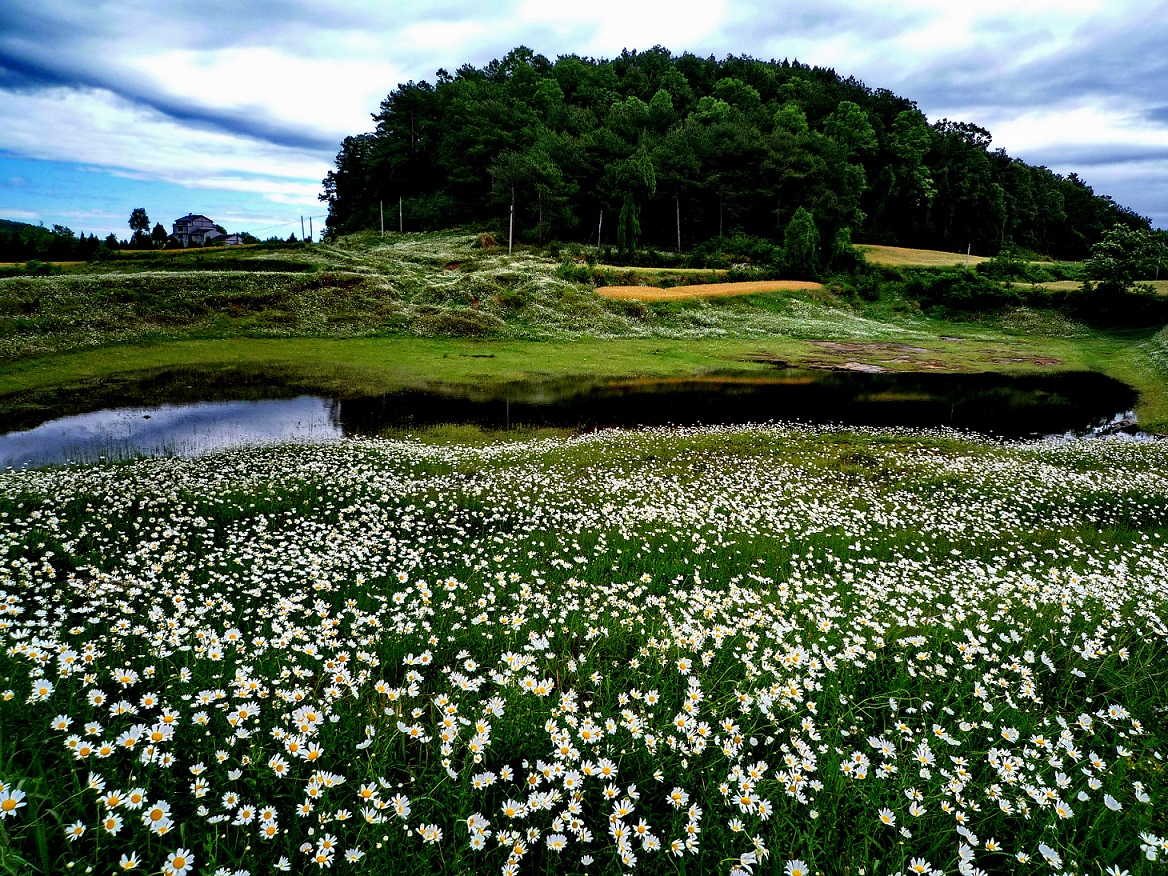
(574, 272)
(738, 249)
(35, 268)
(1014, 265)
(1141, 305)
(446, 323)
(959, 289)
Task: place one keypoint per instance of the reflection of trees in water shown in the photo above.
(334, 413)
(1009, 406)
(997, 404)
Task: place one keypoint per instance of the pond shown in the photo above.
(189, 412)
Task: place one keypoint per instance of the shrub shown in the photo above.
(1013, 265)
(1102, 304)
(738, 249)
(574, 272)
(448, 323)
(959, 289)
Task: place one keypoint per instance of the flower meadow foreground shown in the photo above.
(749, 650)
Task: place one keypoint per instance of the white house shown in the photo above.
(194, 229)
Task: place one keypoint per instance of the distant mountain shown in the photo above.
(670, 147)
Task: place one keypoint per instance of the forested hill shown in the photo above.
(656, 141)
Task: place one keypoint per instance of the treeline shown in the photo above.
(21, 242)
(676, 150)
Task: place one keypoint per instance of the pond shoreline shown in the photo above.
(191, 411)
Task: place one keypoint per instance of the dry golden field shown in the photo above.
(704, 290)
(1160, 286)
(904, 257)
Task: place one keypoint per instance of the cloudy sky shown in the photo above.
(236, 110)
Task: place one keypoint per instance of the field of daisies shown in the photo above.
(733, 651)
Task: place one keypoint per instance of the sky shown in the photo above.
(237, 110)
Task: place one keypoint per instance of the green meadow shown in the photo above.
(413, 310)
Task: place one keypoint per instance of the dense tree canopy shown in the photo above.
(20, 242)
(674, 150)
(1126, 256)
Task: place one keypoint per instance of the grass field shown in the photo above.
(433, 308)
(705, 290)
(1160, 286)
(709, 651)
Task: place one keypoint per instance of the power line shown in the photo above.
(255, 231)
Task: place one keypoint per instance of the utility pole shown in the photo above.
(511, 226)
(302, 228)
(599, 228)
(310, 229)
(381, 210)
(401, 223)
(677, 203)
(968, 250)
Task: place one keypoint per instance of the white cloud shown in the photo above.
(333, 95)
(608, 26)
(1093, 124)
(228, 82)
(95, 127)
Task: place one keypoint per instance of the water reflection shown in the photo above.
(189, 412)
(171, 430)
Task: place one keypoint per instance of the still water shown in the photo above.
(189, 412)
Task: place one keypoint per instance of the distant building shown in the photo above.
(194, 230)
(232, 240)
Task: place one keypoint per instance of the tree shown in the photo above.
(801, 244)
(158, 236)
(139, 221)
(738, 144)
(533, 174)
(678, 170)
(140, 225)
(637, 177)
(850, 128)
(1124, 256)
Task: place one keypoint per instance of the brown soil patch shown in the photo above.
(704, 290)
(862, 347)
(1011, 357)
(1026, 360)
